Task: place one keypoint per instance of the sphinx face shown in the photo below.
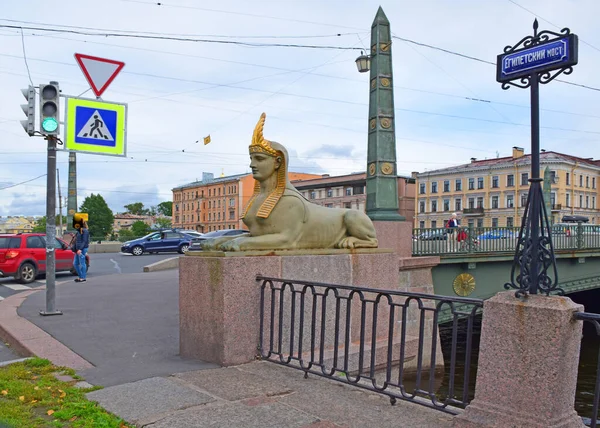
(263, 166)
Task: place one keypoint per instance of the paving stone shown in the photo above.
(147, 398)
(232, 384)
(83, 385)
(230, 414)
(63, 378)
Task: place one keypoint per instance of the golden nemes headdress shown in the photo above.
(260, 145)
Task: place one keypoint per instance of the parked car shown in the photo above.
(496, 234)
(23, 256)
(433, 235)
(196, 242)
(158, 242)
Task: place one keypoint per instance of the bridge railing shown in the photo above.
(587, 408)
(476, 240)
(385, 341)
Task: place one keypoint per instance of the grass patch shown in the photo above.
(31, 397)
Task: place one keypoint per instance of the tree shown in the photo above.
(139, 228)
(125, 235)
(40, 224)
(101, 217)
(165, 208)
(163, 223)
(136, 208)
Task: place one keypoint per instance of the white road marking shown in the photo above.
(117, 267)
(1, 298)
(17, 287)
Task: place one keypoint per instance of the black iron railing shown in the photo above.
(380, 340)
(588, 409)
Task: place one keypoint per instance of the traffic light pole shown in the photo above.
(51, 230)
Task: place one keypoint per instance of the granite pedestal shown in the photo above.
(528, 359)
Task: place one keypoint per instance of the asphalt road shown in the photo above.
(100, 264)
(7, 354)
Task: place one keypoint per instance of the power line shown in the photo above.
(181, 39)
(23, 182)
(25, 58)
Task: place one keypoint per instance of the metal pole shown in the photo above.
(72, 191)
(535, 183)
(51, 230)
(60, 218)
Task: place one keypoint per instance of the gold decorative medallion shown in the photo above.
(372, 123)
(387, 168)
(385, 82)
(386, 122)
(372, 169)
(373, 83)
(464, 284)
(385, 46)
(374, 49)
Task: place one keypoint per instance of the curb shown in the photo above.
(172, 263)
(28, 339)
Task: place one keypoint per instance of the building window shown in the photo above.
(348, 205)
(510, 180)
(231, 215)
(479, 222)
(434, 187)
(510, 202)
(458, 204)
(329, 193)
(421, 206)
(320, 194)
(568, 200)
(580, 201)
(313, 194)
(553, 177)
(495, 203)
(329, 205)
(209, 204)
(593, 182)
(480, 182)
(524, 178)
(471, 203)
(421, 189)
(587, 201)
(495, 182)
(593, 202)
(447, 204)
(433, 206)
(523, 199)
(581, 180)
(359, 190)
(509, 222)
(421, 224)
(471, 184)
(494, 222)
(232, 202)
(568, 180)
(433, 224)
(480, 202)
(458, 185)
(446, 186)
(349, 191)
(587, 182)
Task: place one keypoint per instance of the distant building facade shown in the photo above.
(16, 224)
(493, 192)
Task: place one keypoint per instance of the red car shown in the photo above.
(23, 256)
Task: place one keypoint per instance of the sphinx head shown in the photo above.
(267, 158)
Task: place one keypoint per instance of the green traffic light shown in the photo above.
(49, 124)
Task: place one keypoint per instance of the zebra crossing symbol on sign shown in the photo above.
(96, 128)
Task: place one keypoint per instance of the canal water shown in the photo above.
(590, 347)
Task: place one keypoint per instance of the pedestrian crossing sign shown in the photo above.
(95, 127)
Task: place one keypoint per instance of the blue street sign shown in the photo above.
(558, 53)
(95, 126)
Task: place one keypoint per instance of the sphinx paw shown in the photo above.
(346, 243)
(229, 246)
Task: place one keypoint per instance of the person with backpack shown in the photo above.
(451, 227)
(80, 248)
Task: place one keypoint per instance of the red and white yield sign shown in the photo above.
(99, 72)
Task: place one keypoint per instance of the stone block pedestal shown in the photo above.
(528, 359)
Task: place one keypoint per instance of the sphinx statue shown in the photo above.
(280, 218)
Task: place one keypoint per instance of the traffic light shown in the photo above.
(49, 109)
(29, 110)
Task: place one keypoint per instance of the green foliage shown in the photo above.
(101, 217)
(165, 208)
(139, 228)
(136, 208)
(163, 223)
(40, 224)
(125, 235)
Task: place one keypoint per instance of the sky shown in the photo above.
(448, 108)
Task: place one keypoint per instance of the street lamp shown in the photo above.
(363, 63)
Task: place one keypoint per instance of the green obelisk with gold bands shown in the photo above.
(382, 183)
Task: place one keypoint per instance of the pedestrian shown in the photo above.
(451, 227)
(82, 243)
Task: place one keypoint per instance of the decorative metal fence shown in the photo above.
(588, 409)
(380, 340)
(474, 240)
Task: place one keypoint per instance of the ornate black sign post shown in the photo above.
(526, 65)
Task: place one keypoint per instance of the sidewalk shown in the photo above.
(121, 332)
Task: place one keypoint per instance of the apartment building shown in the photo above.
(216, 203)
(349, 191)
(16, 224)
(493, 192)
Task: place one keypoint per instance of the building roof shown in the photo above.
(353, 178)
(211, 181)
(545, 157)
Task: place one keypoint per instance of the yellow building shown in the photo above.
(493, 192)
(16, 224)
